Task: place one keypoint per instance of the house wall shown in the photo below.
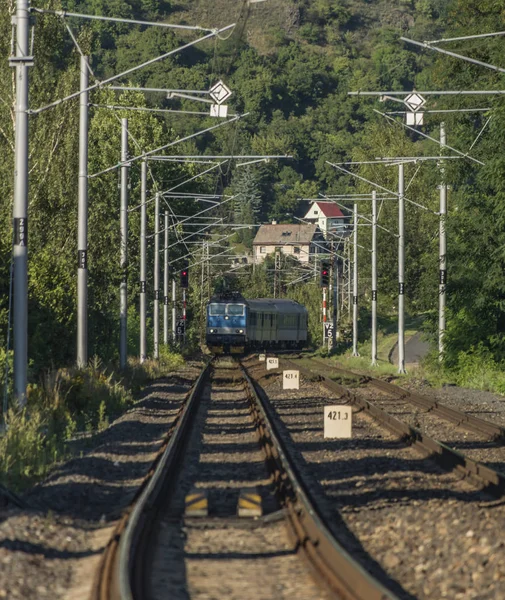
(302, 256)
(325, 224)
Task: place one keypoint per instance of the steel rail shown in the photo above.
(120, 575)
(495, 432)
(343, 575)
(492, 481)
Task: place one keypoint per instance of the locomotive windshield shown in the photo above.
(216, 310)
(235, 310)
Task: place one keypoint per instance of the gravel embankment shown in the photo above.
(51, 551)
(484, 405)
(422, 531)
(222, 556)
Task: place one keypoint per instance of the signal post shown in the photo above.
(184, 287)
(324, 280)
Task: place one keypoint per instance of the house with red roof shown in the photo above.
(329, 218)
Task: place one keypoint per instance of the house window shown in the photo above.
(263, 249)
(296, 249)
(316, 212)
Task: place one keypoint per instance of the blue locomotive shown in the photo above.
(235, 324)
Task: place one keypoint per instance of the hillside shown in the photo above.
(290, 65)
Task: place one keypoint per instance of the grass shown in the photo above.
(64, 403)
(475, 368)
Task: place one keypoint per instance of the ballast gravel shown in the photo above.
(52, 549)
(223, 556)
(425, 533)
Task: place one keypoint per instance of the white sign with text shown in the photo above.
(262, 357)
(272, 363)
(291, 380)
(338, 421)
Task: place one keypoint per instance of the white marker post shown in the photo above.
(291, 380)
(272, 363)
(338, 421)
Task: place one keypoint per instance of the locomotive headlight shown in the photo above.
(239, 331)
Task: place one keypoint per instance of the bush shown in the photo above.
(64, 402)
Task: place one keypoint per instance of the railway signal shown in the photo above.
(184, 278)
(325, 275)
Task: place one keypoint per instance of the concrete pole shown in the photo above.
(21, 62)
(174, 316)
(374, 278)
(156, 312)
(442, 253)
(82, 221)
(401, 270)
(123, 291)
(143, 261)
(355, 286)
(165, 283)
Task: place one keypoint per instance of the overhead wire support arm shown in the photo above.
(473, 61)
(154, 110)
(431, 93)
(465, 37)
(128, 71)
(428, 137)
(65, 14)
(130, 88)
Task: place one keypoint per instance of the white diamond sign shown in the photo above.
(414, 101)
(219, 92)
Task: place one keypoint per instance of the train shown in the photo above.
(236, 325)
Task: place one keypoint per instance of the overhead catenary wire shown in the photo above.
(150, 153)
(378, 186)
(425, 135)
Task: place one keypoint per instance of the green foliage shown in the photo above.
(291, 65)
(26, 450)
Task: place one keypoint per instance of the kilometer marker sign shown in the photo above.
(338, 421)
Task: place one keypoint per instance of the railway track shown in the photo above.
(447, 456)
(459, 418)
(479, 440)
(422, 518)
(160, 550)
